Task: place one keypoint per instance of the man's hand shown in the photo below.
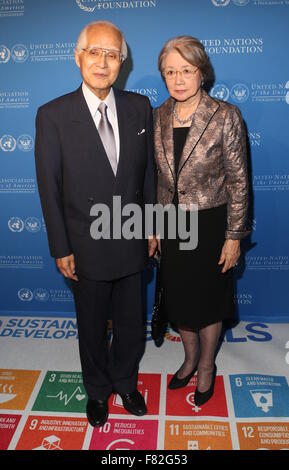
(230, 254)
(66, 266)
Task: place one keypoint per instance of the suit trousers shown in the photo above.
(110, 366)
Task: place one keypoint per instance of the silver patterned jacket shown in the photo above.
(213, 167)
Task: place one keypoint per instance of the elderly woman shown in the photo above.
(201, 157)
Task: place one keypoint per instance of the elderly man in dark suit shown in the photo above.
(91, 145)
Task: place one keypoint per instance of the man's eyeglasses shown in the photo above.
(96, 53)
(186, 73)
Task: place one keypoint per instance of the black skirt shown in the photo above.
(195, 292)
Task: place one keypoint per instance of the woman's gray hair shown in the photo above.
(82, 38)
(193, 51)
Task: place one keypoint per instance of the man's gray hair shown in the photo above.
(82, 38)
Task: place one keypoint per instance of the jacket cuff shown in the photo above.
(60, 252)
(235, 235)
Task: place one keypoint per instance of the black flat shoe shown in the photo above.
(202, 397)
(97, 412)
(134, 403)
(179, 383)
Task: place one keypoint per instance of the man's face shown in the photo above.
(100, 71)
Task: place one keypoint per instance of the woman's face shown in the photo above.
(183, 79)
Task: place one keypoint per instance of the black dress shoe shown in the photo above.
(202, 397)
(179, 383)
(134, 403)
(97, 412)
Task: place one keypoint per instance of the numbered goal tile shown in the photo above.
(181, 402)
(8, 425)
(62, 392)
(263, 436)
(256, 395)
(149, 386)
(53, 433)
(197, 435)
(125, 434)
(16, 387)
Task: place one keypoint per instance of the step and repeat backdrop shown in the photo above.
(247, 41)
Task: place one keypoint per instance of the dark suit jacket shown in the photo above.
(73, 174)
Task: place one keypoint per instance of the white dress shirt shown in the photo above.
(93, 102)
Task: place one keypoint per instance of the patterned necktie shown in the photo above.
(105, 131)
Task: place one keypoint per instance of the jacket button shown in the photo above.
(137, 192)
(90, 200)
(182, 192)
(170, 190)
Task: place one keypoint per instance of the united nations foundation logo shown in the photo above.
(15, 224)
(7, 143)
(15, 185)
(60, 295)
(25, 143)
(270, 92)
(271, 182)
(41, 295)
(240, 93)
(14, 99)
(151, 93)
(241, 3)
(19, 53)
(255, 139)
(32, 224)
(229, 46)
(26, 295)
(83, 5)
(90, 5)
(224, 3)
(252, 223)
(220, 3)
(287, 92)
(221, 92)
(4, 54)
(244, 299)
(11, 8)
(268, 263)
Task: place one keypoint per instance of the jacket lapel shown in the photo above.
(125, 116)
(204, 113)
(166, 123)
(80, 110)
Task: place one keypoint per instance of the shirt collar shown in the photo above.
(93, 101)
